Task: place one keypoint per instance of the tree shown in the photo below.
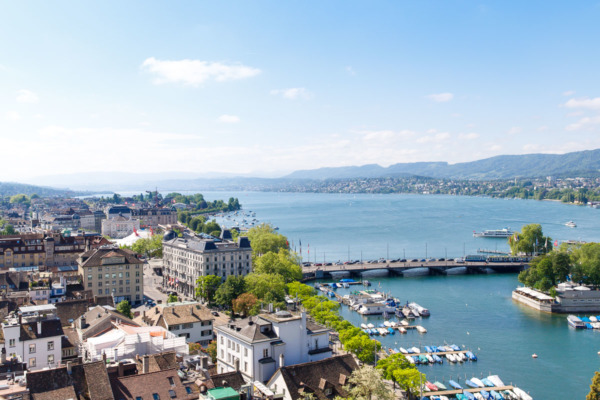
(266, 287)
(587, 259)
(283, 263)
(211, 349)
(206, 287)
(244, 303)
(390, 364)
(300, 290)
(530, 240)
(363, 347)
(125, 308)
(19, 199)
(409, 379)
(366, 383)
(230, 290)
(172, 298)
(264, 239)
(149, 247)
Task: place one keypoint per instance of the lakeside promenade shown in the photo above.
(435, 267)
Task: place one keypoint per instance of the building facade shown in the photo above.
(152, 217)
(258, 346)
(119, 226)
(187, 258)
(110, 271)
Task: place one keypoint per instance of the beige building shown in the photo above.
(110, 271)
(120, 226)
(152, 217)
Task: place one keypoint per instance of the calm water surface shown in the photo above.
(474, 311)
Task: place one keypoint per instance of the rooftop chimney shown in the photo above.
(39, 328)
(145, 364)
(69, 370)
(121, 369)
(281, 361)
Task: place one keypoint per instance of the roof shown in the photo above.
(69, 310)
(534, 293)
(159, 361)
(50, 328)
(100, 318)
(50, 384)
(93, 258)
(233, 380)
(315, 376)
(186, 314)
(145, 385)
(223, 393)
(91, 380)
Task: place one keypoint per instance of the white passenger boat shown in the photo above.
(494, 233)
(422, 311)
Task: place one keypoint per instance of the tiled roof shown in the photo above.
(233, 380)
(186, 314)
(93, 258)
(69, 310)
(91, 381)
(50, 328)
(159, 361)
(315, 376)
(145, 385)
(51, 384)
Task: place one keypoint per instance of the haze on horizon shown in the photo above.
(266, 88)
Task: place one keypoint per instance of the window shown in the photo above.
(51, 345)
(188, 390)
(245, 352)
(171, 381)
(89, 284)
(11, 342)
(31, 348)
(50, 358)
(99, 291)
(265, 353)
(138, 398)
(126, 274)
(172, 394)
(99, 284)
(155, 396)
(32, 362)
(89, 277)
(245, 366)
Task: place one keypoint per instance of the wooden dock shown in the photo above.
(458, 391)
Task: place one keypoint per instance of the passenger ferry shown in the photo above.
(495, 233)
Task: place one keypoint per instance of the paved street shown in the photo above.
(152, 281)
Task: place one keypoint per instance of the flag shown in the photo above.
(556, 243)
(546, 244)
(309, 248)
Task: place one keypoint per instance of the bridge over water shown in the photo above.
(399, 268)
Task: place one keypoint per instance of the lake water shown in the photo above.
(474, 311)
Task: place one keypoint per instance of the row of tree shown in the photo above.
(199, 223)
(148, 247)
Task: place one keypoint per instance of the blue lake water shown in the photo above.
(475, 311)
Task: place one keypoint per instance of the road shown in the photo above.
(152, 281)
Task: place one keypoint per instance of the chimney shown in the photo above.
(281, 361)
(39, 328)
(270, 307)
(203, 361)
(82, 322)
(69, 370)
(104, 358)
(121, 368)
(145, 364)
(3, 356)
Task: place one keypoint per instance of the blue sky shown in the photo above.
(268, 87)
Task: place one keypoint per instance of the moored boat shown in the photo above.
(521, 394)
(402, 329)
(454, 385)
(477, 382)
(575, 322)
(440, 385)
(422, 311)
(420, 329)
(496, 380)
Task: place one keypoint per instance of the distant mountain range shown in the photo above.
(12, 188)
(581, 163)
(499, 167)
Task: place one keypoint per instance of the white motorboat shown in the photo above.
(571, 224)
(387, 323)
(404, 322)
(477, 382)
(382, 331)
(429, 358)
(450, 357)
(421, 329)
(393, 324)
(403, 350)
(415, 350)
(364, 326)
(521, 394)
(370, 326)
(495, 379)
(402, 329)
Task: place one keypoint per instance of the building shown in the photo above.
(187, 258)
(110, 271)
(324, 379)
(34, 336)
(120, 226)
(97, 320)
(258, 346)
(190, 320)
(163, 384)
(152, 217)
(570, 298)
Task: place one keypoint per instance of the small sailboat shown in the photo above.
(437, 359)
(403, 350)
(415, 350)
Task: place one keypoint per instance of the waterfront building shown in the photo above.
(570, 298)
(187, 258)
(152, 217)
(258, 346)
(187, 319)
(111, 271)
(34, 336)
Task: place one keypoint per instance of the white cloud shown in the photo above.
(292, 93)
(434, 138)
(350, 71)
(27, 96)
(575, 114)
(583, 123)
(542, 128)
(12, 115)
(569, 93)
(229, 119)
(440, 97)
(468, 136)
(386, 136)
(195, 72)
(514, 130)
(593, 104)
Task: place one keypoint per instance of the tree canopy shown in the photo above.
(244, 303)
(125, 308)
(594, 388)
(264, 238)
(366, 383)
(206, 287)
(230, 290)
(270, 288)
(149, 247)
(530, 240)
(283, 263)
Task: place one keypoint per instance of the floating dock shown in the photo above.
(472, 390)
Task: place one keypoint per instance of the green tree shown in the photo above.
(410, 380)
(390, 364)
(211, 350)
(149, 247)
(561, 265)
(363, 347)
(366, 383)
(594, 388)
(19, 199)
(264, 238)
(282, 263)
(206, 287)
(230, 290)
(125, 308)
(172, 298)
(244, 303)
(587, 259)
(300, 290)
(530, 240)
(266, 287)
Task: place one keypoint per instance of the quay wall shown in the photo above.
(538, 305)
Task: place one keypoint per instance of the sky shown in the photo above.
(269, 87)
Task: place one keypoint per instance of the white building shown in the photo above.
(34, 336)
(187, 258)
(258, 346)
(186, 319)
(119, 226)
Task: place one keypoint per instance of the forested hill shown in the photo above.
(12, 188)
(499, 167)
